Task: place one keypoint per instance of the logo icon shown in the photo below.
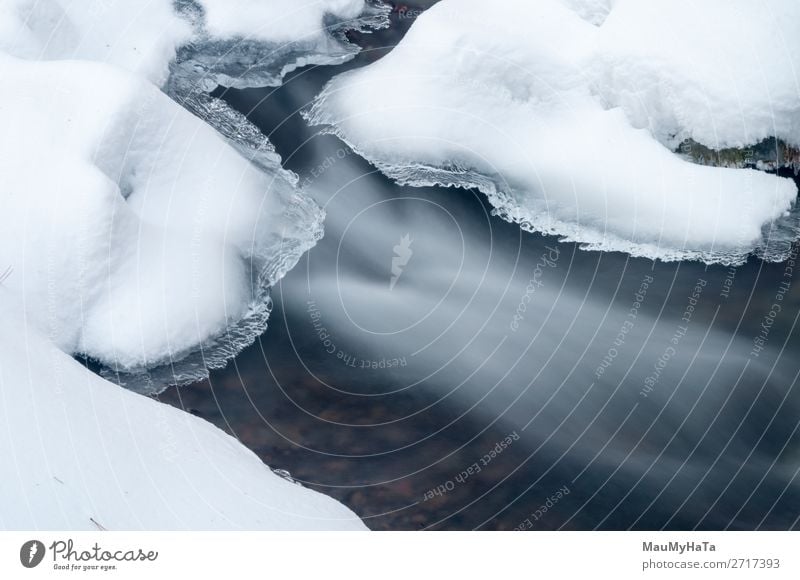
(31, 553)
(402, 254)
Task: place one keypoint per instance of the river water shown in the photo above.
(434, 367)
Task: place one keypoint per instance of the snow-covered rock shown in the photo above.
(567, 115)
(80, 453)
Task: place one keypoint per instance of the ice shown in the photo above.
(143, 36)
(530, 102)
(80, 453)
(276, 21)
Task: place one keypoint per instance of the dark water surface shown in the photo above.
(432, 366)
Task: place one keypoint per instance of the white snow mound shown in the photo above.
(566, 114)
(80, 453)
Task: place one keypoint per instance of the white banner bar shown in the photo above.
(352, 556)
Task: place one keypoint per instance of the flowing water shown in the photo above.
(433, 366)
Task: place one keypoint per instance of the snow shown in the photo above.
(550, 119)
(78, 450)
(138, 235)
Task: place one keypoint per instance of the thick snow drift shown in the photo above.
(566, 114)
(79, 452)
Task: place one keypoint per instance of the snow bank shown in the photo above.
(530, 103)
(139, 235)
(79, 452)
